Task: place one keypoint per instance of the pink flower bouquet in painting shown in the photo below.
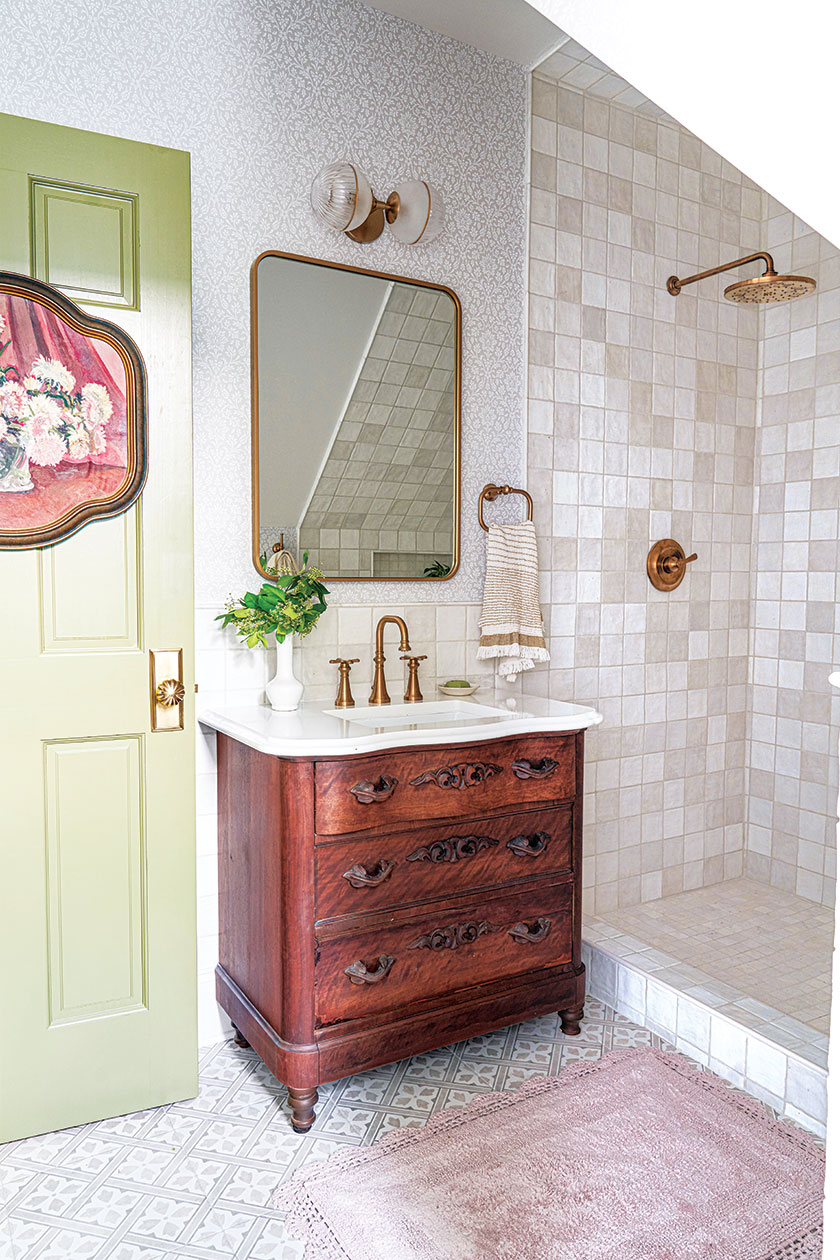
(45, 420)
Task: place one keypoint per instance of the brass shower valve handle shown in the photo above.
(673, 564)
(413, 693)
(666, 564)
(344, 699)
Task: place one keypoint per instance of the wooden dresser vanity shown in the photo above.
(377, 905)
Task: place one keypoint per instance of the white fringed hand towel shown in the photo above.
(511, 622)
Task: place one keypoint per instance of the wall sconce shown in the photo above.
(341, 198)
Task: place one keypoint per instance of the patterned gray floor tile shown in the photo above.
(18, 1238)
(194, 1180)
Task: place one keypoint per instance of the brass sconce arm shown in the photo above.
(390, 207)
(673, 284)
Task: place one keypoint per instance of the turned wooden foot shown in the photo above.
(302, 1102)
(239, 1040)
(570, 1021)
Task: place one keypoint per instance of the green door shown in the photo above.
(97, 852)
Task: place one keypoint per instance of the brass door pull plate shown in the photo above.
(666, 564)
(167, 690)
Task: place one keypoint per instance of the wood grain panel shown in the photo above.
(376, 873)
(441, 951)
(425, 1026)
(356, 794)
(96, 877)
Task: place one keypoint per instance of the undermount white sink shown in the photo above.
(424, 714)
(313, 731)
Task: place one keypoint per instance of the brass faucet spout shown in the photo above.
(379, 692)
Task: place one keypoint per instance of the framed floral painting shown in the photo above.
(72, 416)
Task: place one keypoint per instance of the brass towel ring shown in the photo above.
(491, 493)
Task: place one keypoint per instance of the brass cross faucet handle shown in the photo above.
(413, 692)
(379, 692)
(344, 699)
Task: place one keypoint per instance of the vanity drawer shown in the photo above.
(388, 966)
(352, 796)
(355, 876)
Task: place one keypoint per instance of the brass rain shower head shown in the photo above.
(768, 287)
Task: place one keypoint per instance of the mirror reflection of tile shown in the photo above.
(382, 503)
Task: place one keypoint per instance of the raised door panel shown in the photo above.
(81, 612)
(86, 242)
(96, 867)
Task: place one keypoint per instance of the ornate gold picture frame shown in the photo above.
(73, 444)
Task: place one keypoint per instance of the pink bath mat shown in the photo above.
(635, 1156)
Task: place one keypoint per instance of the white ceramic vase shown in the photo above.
(284, 691)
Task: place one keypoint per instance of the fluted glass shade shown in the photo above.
(421, 213)
(341, 196)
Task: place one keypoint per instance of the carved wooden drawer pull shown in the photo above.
(452, 937)
(465, 774)
(530, 933)
(531, 845)
(453, 849)
(360, 877)
(525, 769)
(367, 793)
(359, 973)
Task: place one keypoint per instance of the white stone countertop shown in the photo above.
(318, 730)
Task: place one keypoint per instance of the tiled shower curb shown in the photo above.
(793, 1083)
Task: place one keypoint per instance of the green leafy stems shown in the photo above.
(291, 605)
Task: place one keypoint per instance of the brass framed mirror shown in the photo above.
(355, 421)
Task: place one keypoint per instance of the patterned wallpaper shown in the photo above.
(263, 93)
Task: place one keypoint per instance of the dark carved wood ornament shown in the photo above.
(452, 849)
(360, 877)
(453, 936)
(529, 846)
(367, 793)
(531, 932)
(525, 769)
(465, 774)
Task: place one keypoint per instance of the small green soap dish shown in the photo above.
(457, 687)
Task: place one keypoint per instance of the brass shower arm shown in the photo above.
(674, 285)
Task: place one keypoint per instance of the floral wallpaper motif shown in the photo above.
(262, 93)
